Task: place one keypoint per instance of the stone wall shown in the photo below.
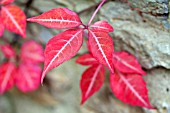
(142, 27)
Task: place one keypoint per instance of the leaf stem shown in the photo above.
(94, 14)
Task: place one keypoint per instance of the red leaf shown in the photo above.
(102, 26)
(127, 63)
(32, 52)
(5, 2)
(14, 19)
(28, 77)
(86, 59)
(91, 81)
(7, 70)
(61, 48)
(130, 88)
(8, 51)
(1, 28)
(58, 18)
(101, 46)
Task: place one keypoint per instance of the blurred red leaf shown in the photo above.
(1, 27)
(58, 18)
(61, 48)
(102, 26)
(101, 46)
(91, 81)
(32, 52)
(14, 19)
(7, 70)
(28, 77)
(86, 59)
(7, 50)
(130, 88)
(5, 2)
(126, 63)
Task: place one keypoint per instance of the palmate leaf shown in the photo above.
(91, 81)
(126, 63)
(58, 18)
(101, 46)
(102, 26)
(127, 86)
(28, 77)
(130, 88)
(61, 48)
(14, 19)
(7, 71)
(5, 2)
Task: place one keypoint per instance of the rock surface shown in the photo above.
(141, 28)
(158, 81)
(147, 40)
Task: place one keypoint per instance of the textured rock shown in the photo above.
(153, 7)
(156, 8)
(147, 40)
(158, 81)
(141, 27)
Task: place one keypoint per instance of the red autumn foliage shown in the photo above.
(6, 2)
(1, 27)
(127, 63)
(102, 26)
(58, 18)
(62, 47)
(12, 18)
(130, 88)
(101, 47)
(7, 50)
(32, 52)
(65, 45)
(86, 59)
(91, 81)
(26, 75)
(7, 71)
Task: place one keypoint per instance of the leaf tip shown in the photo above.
(143, 73)
(83, 100)
(32, 19)
(148, 106)
(23, 35)
(29, 19)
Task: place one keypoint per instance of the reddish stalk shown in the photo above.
(94, 14)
